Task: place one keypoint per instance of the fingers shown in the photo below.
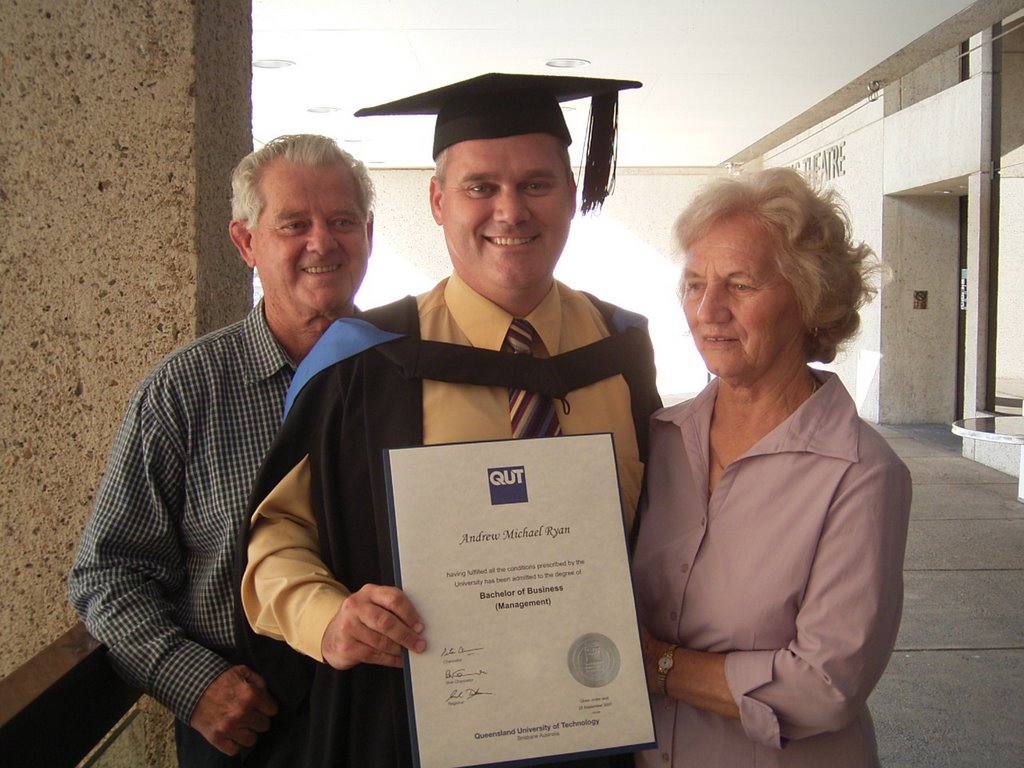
(259, 699)
(372, 627)
(234, 710)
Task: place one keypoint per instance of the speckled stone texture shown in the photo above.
(121, 124)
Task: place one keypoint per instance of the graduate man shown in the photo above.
(316, 566)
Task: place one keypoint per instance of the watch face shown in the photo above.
(664, 664)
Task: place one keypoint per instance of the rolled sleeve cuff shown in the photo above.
(746, 671)
(182, 679)
(322, 605)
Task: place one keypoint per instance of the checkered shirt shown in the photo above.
(153, 575)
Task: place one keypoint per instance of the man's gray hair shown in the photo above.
(306, 149)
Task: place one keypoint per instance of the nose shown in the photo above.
(320, 238)
(510, 207)
(713, 306)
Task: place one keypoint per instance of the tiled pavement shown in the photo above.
(953, 694)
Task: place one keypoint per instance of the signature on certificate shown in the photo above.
(458, 651)
(462, 675)
(463, 682)
(459, 695)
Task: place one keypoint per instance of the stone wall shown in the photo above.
(122, 122)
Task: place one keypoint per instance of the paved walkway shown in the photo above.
(953, 694)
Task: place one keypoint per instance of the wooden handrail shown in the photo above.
(58, 706)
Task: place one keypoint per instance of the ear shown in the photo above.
(369, 235)
(242, 238)
(572, 187)
(436, 194)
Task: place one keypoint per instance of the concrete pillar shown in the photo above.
(121, 123)
(918, 370)
(979, 195)
(976, 326)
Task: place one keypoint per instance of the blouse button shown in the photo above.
(703, 522)
(685, 567)
(673, 615)
(665, 757)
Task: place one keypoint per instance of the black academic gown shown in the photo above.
(343, 419)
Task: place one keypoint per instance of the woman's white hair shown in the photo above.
(809, 230)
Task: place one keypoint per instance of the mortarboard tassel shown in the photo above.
(600, 150)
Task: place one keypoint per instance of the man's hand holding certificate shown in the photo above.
(514, 554)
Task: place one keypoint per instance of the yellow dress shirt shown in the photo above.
(287, 591)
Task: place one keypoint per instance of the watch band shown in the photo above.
(665, 664)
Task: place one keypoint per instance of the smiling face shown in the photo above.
(505, 205)
(743, 314)
(310, 247)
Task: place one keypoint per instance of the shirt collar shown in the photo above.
(486, 324)
(264, 356)
(826, 423)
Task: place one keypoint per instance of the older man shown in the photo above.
(319, 571)
(152, 578)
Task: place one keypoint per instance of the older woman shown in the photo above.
(770, 553)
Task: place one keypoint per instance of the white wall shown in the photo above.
(936, 139)
(1010, 339)
(858, 133)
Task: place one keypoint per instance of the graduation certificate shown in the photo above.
(514, 554)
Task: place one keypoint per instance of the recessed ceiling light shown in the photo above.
(323, 110)
(567, 63)
(272, 63)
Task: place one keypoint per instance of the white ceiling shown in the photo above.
(719, 75)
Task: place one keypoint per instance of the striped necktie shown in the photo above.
(532, 414)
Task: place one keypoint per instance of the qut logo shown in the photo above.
(508, 485)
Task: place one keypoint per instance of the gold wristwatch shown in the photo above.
(665, 666)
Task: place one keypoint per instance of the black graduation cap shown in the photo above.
(496, 105)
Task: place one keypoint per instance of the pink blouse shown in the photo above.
(793, 568)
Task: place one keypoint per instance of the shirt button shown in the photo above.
(703, 522)
(685, 567)
(665, 757)
(673, 615)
